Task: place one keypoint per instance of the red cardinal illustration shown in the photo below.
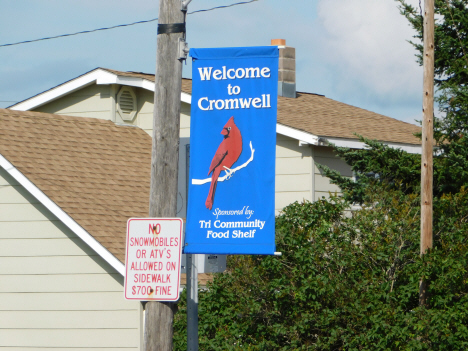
(228, 152)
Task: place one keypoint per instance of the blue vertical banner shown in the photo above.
(231, 202)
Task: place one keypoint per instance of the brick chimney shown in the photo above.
(287, 69)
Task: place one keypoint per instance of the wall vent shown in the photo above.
(126, 103)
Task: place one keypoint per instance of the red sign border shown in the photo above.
(180, 256)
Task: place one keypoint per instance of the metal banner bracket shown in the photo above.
(184, 4)
(183, 49)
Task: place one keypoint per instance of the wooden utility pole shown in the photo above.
(165, 153)
(427, 139)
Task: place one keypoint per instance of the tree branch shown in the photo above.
(227, 175)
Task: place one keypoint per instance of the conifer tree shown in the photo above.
(451, 82)
(350, 281)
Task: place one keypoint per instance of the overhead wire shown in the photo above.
(122, 25)
(113, 27)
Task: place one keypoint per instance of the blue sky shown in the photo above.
(353, 51)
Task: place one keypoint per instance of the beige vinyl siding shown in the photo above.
(56, 292)
(293, 180)
(145, 103)
(98, 101)
(185, 120)
(67, 349)
(325, 156)
(297, 176)
(91, 101)
(84, 339)
(144, 117)
(184, 141)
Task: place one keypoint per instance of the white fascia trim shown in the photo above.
(98, 76)
(111, 78)
(187, 98)
(62, 216)
(62, 90)
(308, 138)
(303, 137)
(356, 144)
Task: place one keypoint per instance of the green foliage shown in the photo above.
(350, 280)
(378, 163)
(451, 81)
(450, 36)
(344, 282)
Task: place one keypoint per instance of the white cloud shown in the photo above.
(365, 42)
(354, 51)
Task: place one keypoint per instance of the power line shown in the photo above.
(223, 7)
(122, 25)
(83, 32)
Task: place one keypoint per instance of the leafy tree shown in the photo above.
(381, 164)
(377, 164)
(344, 282)
(349, 280)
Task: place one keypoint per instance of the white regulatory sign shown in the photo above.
(153, 258)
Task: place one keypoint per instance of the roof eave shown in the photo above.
(102, 76)
(62, 216)
(98, 76)
(306, 138)
(303, 137)
(357, 144)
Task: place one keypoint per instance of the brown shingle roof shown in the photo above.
(142, 75)
(96, 171)
(186, 83)
(325, 117)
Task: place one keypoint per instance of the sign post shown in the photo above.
(153, 259)
(192, 303)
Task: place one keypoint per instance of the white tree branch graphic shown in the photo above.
(229, 173)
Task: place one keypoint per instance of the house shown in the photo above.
(67, 187)
(74, 166)
(307, 123)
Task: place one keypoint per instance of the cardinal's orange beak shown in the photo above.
(224, 131)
